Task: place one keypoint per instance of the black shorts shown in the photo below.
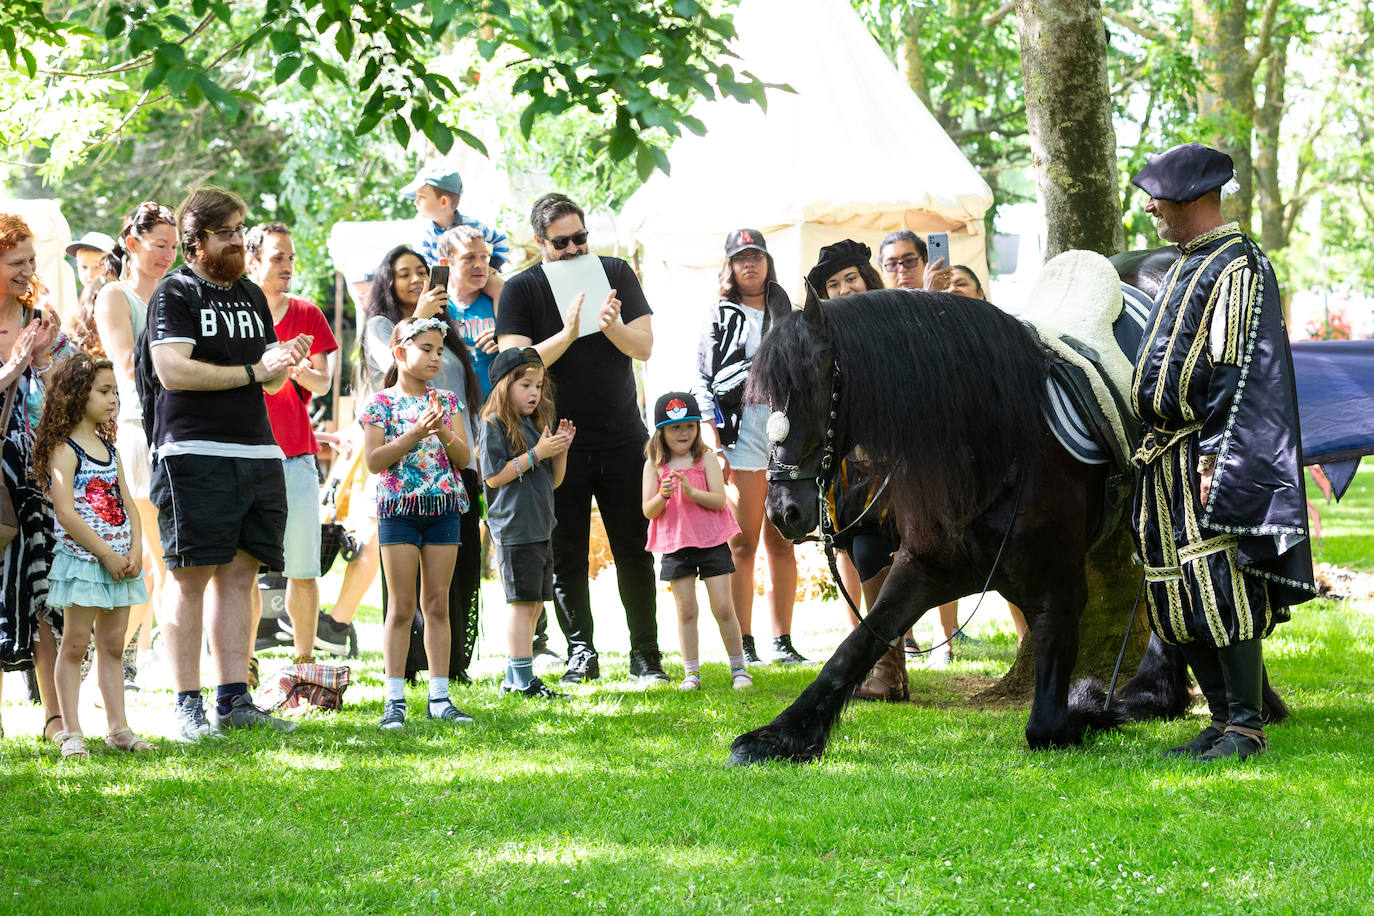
(526, 571)
(871, 551)
(210, 507)
(706, 562)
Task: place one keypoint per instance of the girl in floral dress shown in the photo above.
(413, 440)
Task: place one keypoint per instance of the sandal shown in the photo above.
(132, 743)
(55, 737)
(72, 745)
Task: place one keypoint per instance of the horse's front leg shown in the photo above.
(799, 733)
(1054, 629)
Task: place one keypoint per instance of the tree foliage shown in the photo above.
(318, 110)
(643, 61)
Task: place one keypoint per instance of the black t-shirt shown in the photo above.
(226, 326)
(594, 383)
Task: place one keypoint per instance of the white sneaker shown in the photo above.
(940, 658)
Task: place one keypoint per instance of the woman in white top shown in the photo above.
(143, 253)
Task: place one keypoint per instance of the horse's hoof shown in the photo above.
(769, 743)
(1070, 734)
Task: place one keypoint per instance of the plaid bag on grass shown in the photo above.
(299, 688)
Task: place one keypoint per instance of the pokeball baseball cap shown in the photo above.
(675, 407)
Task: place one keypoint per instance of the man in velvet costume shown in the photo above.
(1219, 510)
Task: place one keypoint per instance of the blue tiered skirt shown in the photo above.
(87, 583)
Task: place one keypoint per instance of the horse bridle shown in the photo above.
(778, 428)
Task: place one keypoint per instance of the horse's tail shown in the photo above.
(1088, 708)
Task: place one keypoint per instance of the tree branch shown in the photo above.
(994, 18)
(1144, 24)
(1266, 34)
(137, 63)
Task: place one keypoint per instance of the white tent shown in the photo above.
(51, 236)
(852, 154)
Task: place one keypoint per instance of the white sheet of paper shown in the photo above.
(584, 275)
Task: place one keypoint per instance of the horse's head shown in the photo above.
(794, 371)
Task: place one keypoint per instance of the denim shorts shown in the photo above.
(420, 530)
(301, 546)
(750, 451)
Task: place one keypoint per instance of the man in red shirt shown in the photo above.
(271, 261)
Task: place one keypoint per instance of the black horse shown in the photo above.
(948, 394)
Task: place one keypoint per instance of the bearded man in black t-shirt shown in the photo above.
(594, 387)
(217, 471)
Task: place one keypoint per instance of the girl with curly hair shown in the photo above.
(29, 342)
(97, 571)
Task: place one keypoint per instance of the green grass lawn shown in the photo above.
(617, 800)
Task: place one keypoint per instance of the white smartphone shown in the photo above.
(937, 247)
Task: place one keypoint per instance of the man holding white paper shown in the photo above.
(590, 359)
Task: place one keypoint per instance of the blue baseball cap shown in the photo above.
(441, 176)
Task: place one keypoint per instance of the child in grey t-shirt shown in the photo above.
(523, 457)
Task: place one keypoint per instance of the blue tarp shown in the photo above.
(1335, 380)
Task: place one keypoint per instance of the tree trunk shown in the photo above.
(1226, 98)
(911, 57)
(1069, 116)
(1268, 118)
(1112, 584)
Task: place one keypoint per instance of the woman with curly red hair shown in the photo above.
(29, 341)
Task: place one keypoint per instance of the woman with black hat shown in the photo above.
(750, 301)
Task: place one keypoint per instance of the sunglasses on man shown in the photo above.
(561, 242)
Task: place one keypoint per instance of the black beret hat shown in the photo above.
(1185, 173)
(835, 258)
(507, 361)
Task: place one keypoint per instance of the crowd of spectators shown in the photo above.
(216, 366)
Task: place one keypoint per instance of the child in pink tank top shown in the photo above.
(684, 500)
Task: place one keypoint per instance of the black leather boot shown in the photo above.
(1202, 659)
(1242, 667)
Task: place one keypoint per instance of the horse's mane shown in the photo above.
(947, 390)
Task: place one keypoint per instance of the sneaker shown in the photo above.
(751, 655)
(269, 634)
(334, 638)
(940, 658)
(536, 689)
(189, 723)
(130, 685)
(583, 666)
(243, 714)
(545, 659)
(740, 679)
(913, 651)
(393, 715)
(646, 667)
(691, 682)
(448, 713)
(784, 653)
